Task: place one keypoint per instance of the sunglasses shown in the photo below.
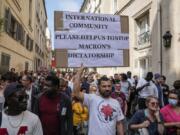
(154, 103)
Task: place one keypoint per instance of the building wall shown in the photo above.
(163, 16)
(25, 15)
(49, 48)
(138, 53)
(40, 53)
(171, 22)
(103, 7)
(160, 21)
(19, 55)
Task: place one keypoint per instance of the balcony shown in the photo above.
(144, 38)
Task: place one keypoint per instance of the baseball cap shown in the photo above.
(12, 88)
(157, 76)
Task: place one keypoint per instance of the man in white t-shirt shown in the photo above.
(105, 115)
(145, 88)
(16, 120)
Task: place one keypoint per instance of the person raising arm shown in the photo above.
(105, 114)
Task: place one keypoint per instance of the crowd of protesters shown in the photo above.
(82, 103)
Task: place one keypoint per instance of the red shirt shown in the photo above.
(121, 98)
(49, 111)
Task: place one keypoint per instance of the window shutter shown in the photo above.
(7, 18)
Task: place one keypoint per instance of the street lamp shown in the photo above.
(167, 39)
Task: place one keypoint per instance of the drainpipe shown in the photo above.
(160, 35)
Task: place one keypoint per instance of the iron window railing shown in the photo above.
(144, 38)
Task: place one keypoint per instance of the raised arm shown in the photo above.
(77, 84)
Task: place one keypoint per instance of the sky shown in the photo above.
(60, 5)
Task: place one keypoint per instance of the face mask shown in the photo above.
(173, 102)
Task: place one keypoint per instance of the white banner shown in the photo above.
(95, 58)
(75, 21)
(89, 40)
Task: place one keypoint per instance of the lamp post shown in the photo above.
(167, 39)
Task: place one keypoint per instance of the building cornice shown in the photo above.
(44, 5)
(125, 6)
(84, 3)
(97, 7)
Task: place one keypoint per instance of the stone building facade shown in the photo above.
(149, 20)
(23, 35)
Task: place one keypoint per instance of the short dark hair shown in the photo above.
(29, 78)
(124, 76)
(175, 91)
(164, 78)
(13, 69)
(129, 74)
(10, 76)
(176, 84)
(149, 75)
(54, 80)
(103, 78)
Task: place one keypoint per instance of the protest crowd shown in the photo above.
(87, 103)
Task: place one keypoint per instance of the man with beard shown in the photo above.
(54, 109)
(105, 114)
(16, 120)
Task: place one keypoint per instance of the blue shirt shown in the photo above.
(139, 117)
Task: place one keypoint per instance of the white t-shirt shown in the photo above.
(103, 114)
(71, 85)
(148, 90)
(125, 88)
(131, 80)
(29, 92)
(2, 100)
(25, 123)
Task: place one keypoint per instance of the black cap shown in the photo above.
(12, 88)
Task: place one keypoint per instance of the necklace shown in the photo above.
(16, 126)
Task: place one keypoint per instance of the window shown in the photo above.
(136, 63)
(31, 46)
(5, 59)
(7, 18)
(20, 34)
(145, 65)
(5, 62)
(13, 27)
(29, 43)
(143, 33)
(26, 66)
